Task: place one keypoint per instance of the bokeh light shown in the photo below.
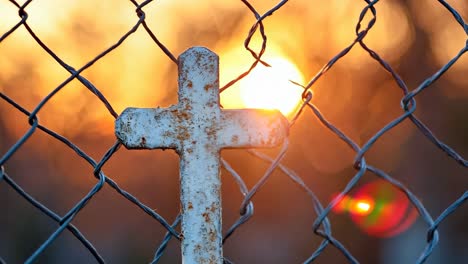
(379, 209)
(362, 207)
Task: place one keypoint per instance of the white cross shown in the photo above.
(198, 129)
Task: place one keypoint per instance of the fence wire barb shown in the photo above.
(321, 226)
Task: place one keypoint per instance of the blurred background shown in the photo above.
(357, 95)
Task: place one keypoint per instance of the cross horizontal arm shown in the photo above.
(252, 128)
(140, 128)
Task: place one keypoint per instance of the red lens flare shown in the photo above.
(379, 209)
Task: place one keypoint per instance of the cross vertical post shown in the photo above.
(197, 128)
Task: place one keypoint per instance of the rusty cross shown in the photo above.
(197, 128)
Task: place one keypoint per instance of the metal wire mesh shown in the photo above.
(321, 226)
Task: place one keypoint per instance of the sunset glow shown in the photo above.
(263, 87)
(254, 131)
(270, 87)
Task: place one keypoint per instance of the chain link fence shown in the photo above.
(322, 226)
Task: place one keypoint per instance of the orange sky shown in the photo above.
(138, 74)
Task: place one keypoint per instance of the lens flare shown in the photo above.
(379, 209)
(362, 207)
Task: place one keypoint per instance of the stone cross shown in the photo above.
(197, 128)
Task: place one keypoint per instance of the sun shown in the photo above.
(270, 87)
(264, 87)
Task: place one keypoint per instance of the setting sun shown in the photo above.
(270, 88)
(264, 87)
